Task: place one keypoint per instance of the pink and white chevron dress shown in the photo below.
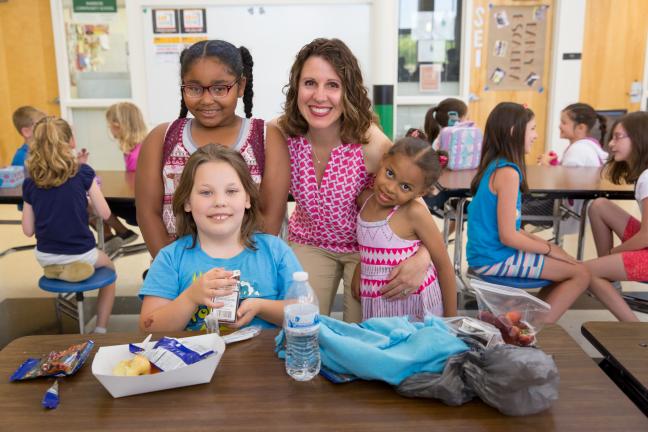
(380, 251)
(325, 216)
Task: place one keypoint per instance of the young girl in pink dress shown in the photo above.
(392, 224)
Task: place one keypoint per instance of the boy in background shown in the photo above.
(24, 119)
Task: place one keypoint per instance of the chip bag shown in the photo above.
(169, 353)
(56, 363)
(518, 315)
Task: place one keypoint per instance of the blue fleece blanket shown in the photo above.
(386, 349)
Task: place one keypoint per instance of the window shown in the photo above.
(429, 55)
(97, 51)
(429, 47)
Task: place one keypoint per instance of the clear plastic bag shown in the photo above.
(518, 315)
(482, 333)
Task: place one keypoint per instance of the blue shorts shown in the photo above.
(521, 265)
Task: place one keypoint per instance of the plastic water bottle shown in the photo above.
(301, 325)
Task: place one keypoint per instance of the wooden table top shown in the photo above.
(554, 181)
(115, 185)
(251, 391)
(626, 344)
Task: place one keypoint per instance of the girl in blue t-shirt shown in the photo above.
(56, 199)
(216, 205)
(496, 244)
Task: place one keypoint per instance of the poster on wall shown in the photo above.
(430, 77)
(516, 47)
(193, 21)
(165, 21)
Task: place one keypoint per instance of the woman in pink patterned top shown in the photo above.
(334, 150)
(392, 224)
(214, 74)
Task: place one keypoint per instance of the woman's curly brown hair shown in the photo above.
(356, 106)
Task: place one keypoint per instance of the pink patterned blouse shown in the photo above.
(326, 216)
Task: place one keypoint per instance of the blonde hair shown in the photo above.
(51, 161)
(131, 125)
(185, 223)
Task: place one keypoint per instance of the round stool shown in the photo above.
(66, 290)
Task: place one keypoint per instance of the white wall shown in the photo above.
(564, 87)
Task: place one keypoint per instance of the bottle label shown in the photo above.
(301, 316)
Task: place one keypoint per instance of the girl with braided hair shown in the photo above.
(214, 74)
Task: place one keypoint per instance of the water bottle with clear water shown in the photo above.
(301, 325)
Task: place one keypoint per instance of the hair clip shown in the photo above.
(525, 105)
(415, 133)
(443, 160)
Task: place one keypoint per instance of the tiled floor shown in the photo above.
(19, 274)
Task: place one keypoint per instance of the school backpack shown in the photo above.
(463, 142)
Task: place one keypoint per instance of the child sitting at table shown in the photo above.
(447, 113)
(629, 260)
(55, 195)
(24, 119)
(216, 205)
(577, 122)
(392, 224)
(127, 126)
(496, 244)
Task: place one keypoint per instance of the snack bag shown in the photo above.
(56, 363)
(517, 314)
(484, 334)
(169, 353)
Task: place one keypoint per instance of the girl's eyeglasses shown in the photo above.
(195, 91)
(618, 137)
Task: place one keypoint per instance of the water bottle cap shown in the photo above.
(300, 276)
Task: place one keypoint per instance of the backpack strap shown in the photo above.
(172, 136)
(257, 141)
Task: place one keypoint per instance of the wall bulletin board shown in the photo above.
(516, 47)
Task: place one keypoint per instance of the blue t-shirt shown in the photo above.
(20, 155)
(265, 273)
(484, 246)
(61, 214)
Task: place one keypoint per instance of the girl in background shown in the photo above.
(214, 74)
(446, 113)
(392, 224)
(217, 209)
(55, 195)
(629, 260)
(335, 149)
(577, 123)
(127, 126)
(496, 244)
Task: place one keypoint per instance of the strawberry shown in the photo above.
(526, 339)
(514, 316)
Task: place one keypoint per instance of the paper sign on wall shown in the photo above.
(516, 47)
(429, 77)
(165, 21)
